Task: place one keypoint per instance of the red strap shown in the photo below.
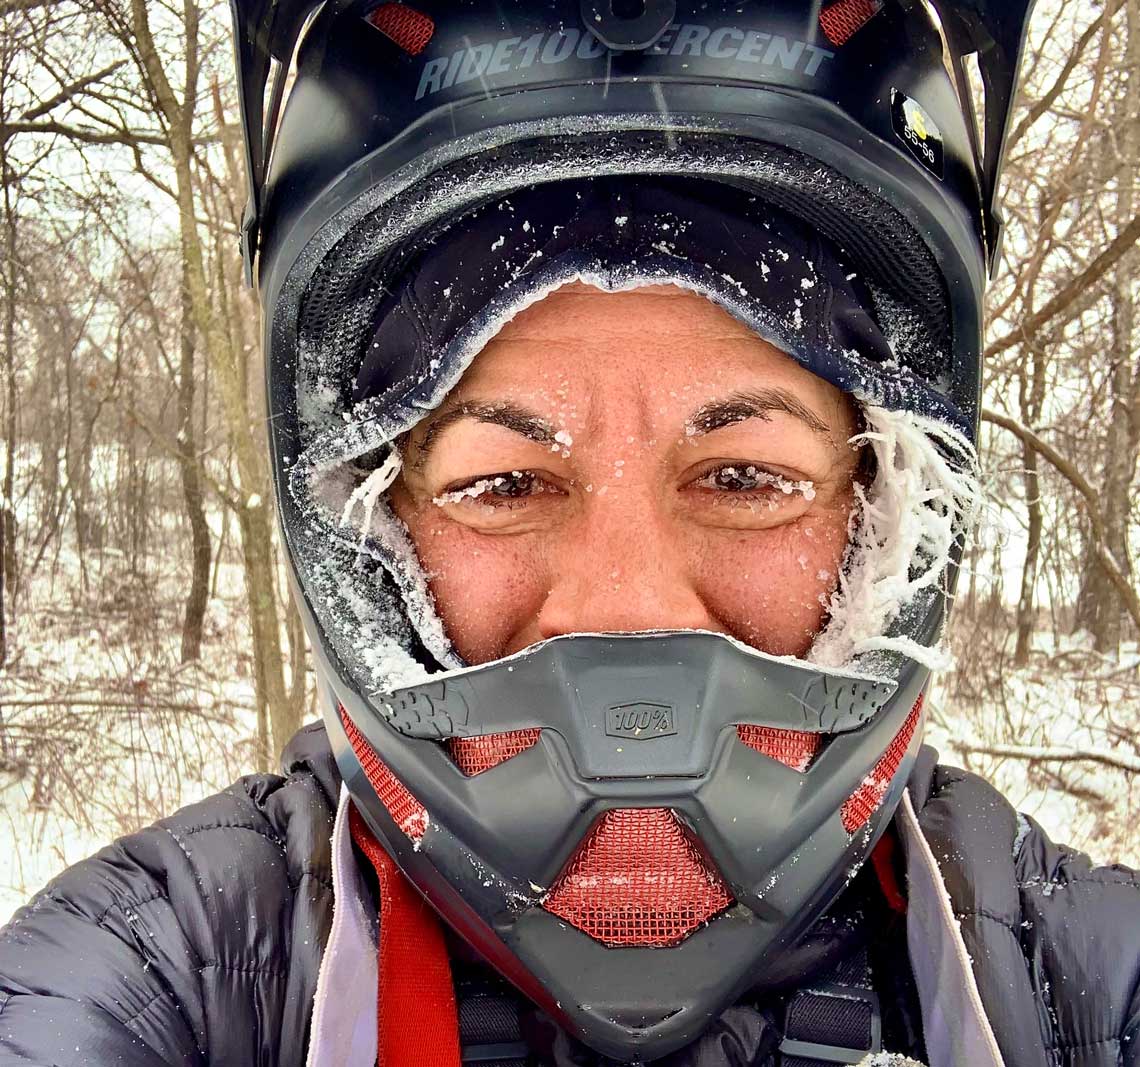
(417, 1020)
(883, 858)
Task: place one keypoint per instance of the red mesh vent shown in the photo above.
(841, 21)
(407, 27)
(474, 755)
(861, 804)
(637, 879)
(794, 748)
(407, 812)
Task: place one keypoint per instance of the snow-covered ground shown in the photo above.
(102, 732)
(1068, 702)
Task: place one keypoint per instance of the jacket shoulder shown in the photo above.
(1054, 938)
(196, 940)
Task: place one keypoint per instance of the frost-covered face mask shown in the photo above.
(633, 826)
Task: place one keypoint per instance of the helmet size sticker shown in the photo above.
(918, 131)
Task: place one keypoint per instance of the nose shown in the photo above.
(623, 571)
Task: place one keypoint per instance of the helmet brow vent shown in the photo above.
(637, 879)
(793, 748)
(861, 804)
(474, 755)
(404, 26)
(407, 812)
(845, 18)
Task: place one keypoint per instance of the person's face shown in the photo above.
(630, 461)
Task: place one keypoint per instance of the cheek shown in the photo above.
(770, 588)
(485, 588)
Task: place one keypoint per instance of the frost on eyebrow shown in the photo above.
(737, 407)
(504, 413)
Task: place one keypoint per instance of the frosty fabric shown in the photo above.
(780, 277)
(325, 310)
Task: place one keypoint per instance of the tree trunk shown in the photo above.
(1026, 604)
(198, 595)
(1031, 397)
(283, 720)
(1100, 609)
(8, 576)
(228, 366)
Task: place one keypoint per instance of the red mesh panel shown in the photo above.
(841, 21)
(407, 27)
(637, 879)
(474, 755)
(407, 812)
(794, 748)
(861, 804)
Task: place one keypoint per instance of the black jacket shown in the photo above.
(198, 941)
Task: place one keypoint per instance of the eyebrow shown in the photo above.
(501, 413)
(737, 407)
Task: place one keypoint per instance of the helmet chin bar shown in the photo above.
(639, 721)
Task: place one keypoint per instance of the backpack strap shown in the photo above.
(489, 1033)
(836, 1020)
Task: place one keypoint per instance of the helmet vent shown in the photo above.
(404, 26)
(842, 20)
(793, 748)
(474, 755)
(407, 812)
(861, 805)
(638, 880)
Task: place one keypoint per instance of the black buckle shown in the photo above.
(826, 1053)
(504, 1050)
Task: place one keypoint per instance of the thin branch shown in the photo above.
(1074, 289)
(87, 135)
(1092, 505)
(68, 91)
(1061, 83)
(10, 7)
(171, 448)
(125, 705)
(83, 134)
(1121, 761)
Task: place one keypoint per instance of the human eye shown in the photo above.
(747, 484)
(505, 489)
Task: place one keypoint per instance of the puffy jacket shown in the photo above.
(199, 940)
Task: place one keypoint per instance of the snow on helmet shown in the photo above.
(498, 788)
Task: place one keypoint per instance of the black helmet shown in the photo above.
(509, 792)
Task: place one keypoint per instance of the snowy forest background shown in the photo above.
(149, 650)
